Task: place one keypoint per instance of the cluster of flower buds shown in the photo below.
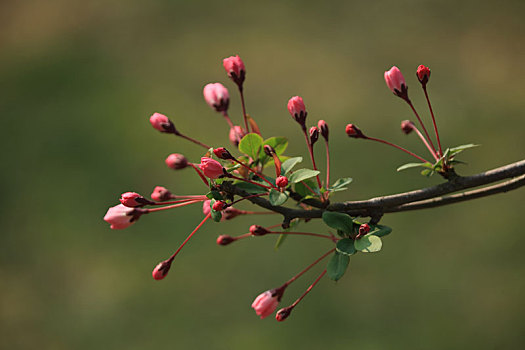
(241, 173)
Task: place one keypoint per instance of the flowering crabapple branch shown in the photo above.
(301, 195)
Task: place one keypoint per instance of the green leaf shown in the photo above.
(427, 172)
(368, 244)
(287, 165)
(216, 215)
(337, 266)
(379, 230)
(457, 149)
(294, 223)
(214, 195)
(414, 165)
(301, 175)
(301, 188)
(339, 221)
(250, 188)
(340, 184)
(251, 145)
(277, 198)
(346, 246)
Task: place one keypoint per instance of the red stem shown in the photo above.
(189, 237)
(308, 290)
(246, 180)
(311, 151)
(327, 164)
(421, 122)
(247, 197)
(426, 143)
(244, 110)
(308, 267)
(433, 120)
(228, 120)
(200, 174)
(181, 201)
(398, 147)
(302, 233)
(174, 206)
(194, 141)
(255, 172)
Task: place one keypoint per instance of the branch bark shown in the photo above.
(429, 197)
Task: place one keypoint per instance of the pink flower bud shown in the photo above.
(407, 126)
(132, 199)
(323, 127)
(162, 123)
(206, 207)
(176, 161)
(423, 74)
(283, 314)
(216, 96)
(222, 153)
(211, 168)
(161, 194)
(281, 181)
(236, 135)
(354, 131)
(120, 216)
(225, 240)
(297, 110)
(258, 230)
(314, 135)
(218, 205)
(161, 270)
(266, 303)
(396, 82)
(234, 66)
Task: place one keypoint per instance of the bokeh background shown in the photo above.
(79, 80)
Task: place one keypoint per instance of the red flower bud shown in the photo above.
(162, 123)
(363, 230)
(396, 82)
(407, 126)
(211, 168)
(314, 135)
(234, 66)
(266, 303)
(222, 153)
(236, 134)
(161, 270)
(281, 181)
(231, 213)
(161, 194)
(132, 200)
(218, 205)
(120, 216)
(258, 230)
(354, 131)
(323, 127)
(225, 240)
(423, 74)
(297, 110)
(216, 96)
(176, 161)
(283, 314)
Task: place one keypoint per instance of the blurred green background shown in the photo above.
(79, 81)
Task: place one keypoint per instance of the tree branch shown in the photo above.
(429, 197)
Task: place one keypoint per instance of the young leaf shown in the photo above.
(379, 230)
(282, 236)
(302, 174)
(340, 184)
(339, 221)
(414, 165)
(216, 215)
(457, 149)
(214, 195)
(368, 244)
(277, 198)
(337, 266)
(251, 145)
(346, 246)
(289, 164)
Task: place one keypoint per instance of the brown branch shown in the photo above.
(419, 199)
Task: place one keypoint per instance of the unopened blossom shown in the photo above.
(396, 82)
(423, 74)
(162, 123)
(234, 66)
(218, 205)
(161, 270)
(216, 96)
(206, 207)
(281, 181)
(176, 161)
(283, 313)
(161, 194)
(222, 153)
(266, 303)
(323, 128)
(314, 134)
(120, 216)
(132, 199)
(258, 230)
(297, 109)
(407, 126)
(236, 134)
(353, 131)
(225, 240)
(211, 168)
